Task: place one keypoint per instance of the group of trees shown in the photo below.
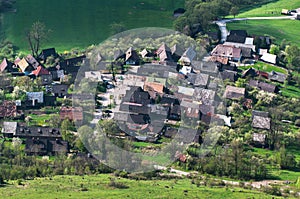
(16, 165)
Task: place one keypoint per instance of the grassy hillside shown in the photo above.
(280, 29)
(271, 9)
(82, 23)
(97, 187)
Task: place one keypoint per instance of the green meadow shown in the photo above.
(79, 23)
(270, 9)
(98, 187)
(279, 29)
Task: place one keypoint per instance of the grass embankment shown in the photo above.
(98, 187)
(83, 23)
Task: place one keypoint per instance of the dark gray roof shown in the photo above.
(276, 76)
(238, 36)
(205, 67)
(246, 52)
(41, 132)
(198, 79)
(231, 75)
(263, 86)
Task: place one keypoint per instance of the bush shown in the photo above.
(297, 122)
(119, 185)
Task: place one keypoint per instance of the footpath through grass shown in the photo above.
(80, 23)
(97, 187)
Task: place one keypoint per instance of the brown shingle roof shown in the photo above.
(233, 92)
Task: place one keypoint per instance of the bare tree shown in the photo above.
(35, 36)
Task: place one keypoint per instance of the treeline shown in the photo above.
(200, 13)
(238, 161)
(15, 165)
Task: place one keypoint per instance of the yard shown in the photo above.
(83, 23)
(265, 67)
(97, 187)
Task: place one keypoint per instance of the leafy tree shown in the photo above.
(234, 11)
(274, 49)
(293, 56)
(35, 36)
(285, 159)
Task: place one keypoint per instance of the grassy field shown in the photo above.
(291, 91)
(82, 23)
(271, 9)
(97, 187)
(279, 29)
(265, 67)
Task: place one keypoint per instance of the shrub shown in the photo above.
(119, 185)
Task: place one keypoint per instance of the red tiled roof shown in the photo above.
(71, 113)
(40, 71)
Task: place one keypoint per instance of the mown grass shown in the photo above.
(291, 91)
(40, 120)
(279, 29)
(97, 187)
(271, 9)
(83, 23)
(265, 67)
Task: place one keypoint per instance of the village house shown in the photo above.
(177, 52)
(259, 139)
(132, 57)
(250, 72)
(60, 90)
(229, 75)
(71, 113)
(225, 51)
(36, 146)
(233, 92)
(269, 58)
(6, 66)
(204, 96)
(37, 132)
(210, 68)
(188, 56)
(9, 129)
(164, 54)
(261, 120)
(200, 80)
(278, 77)
(35, 98)
(264, 86)
(237, 36)
(24, 66)
(32, 61)
(190, 111)
(47, 53)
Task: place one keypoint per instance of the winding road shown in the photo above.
(224, 32)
